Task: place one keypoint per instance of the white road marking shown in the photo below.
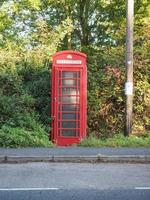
(142, 188)
(27, 189)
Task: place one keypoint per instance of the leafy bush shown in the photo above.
(20, 137)
(36, 82)
(106, 100)
(24, 103)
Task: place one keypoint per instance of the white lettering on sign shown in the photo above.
(129, 62)
(74, 62)
(129, 88)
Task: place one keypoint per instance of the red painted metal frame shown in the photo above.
(57, 70)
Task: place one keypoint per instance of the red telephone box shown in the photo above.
(69, 98)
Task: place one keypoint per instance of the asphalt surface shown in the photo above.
(73, 151)
(77, 195)
(74, 181)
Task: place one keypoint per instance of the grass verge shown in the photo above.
(117, 140)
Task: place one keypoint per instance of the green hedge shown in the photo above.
(20, 137)
(25, 94)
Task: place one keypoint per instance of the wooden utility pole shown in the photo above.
(129, 66)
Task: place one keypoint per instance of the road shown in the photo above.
(40, 181)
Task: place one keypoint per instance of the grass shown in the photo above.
(19, 137)
(117, 140)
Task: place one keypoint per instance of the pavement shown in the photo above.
(75, 154)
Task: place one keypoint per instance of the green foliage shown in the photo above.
(19, 137)
(105, 92)
(24, 75)
(117, 141)
(24, 102)
(31, 31)
(106, 99)
(37, 83)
